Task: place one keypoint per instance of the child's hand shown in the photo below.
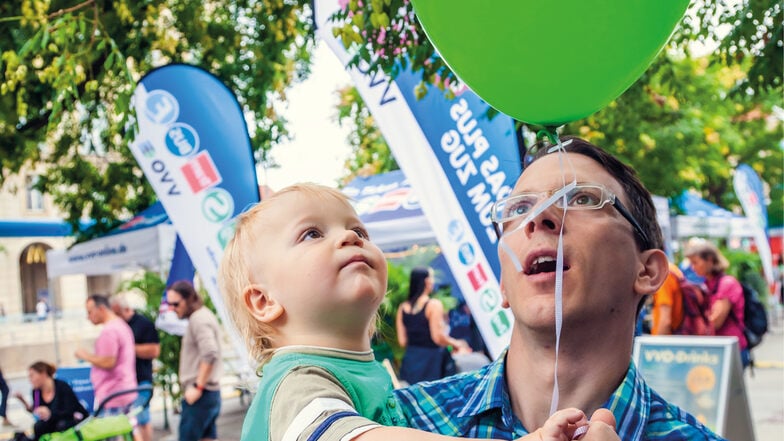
(559, 427)
(570, 424)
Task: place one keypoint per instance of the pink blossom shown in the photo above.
(343, 4)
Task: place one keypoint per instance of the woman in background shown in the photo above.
(54, 405)
(725, 294)
(422, 331)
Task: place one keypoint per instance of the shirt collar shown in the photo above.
(631, 405)
(491, 394)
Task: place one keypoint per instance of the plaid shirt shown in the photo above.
(476, 404)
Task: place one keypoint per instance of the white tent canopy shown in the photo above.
(145, 242)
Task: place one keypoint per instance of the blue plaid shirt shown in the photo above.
(476, 404)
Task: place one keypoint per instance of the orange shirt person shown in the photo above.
(668, 304)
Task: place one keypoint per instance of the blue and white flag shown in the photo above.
(458, 161)
(749, 189)
(194, 148)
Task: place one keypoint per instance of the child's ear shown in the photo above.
(261, 305)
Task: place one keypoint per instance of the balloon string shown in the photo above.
(559, 264)
(551, 133)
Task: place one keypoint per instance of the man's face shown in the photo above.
(177, 303)
(599, 251)
(94, 313)
(318, 263)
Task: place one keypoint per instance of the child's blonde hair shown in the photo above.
(234, 273)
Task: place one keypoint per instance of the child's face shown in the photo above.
(313, 256)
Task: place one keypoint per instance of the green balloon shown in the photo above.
(549, 62)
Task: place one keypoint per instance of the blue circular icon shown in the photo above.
(182, 139)
(466, 253)
(456, 231)
(161, 107)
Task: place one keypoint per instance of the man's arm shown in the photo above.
(664, 327)
(148, 351)
(99, 361)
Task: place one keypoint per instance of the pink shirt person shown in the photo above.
(114, 360)
(116, 339)
(728, 287)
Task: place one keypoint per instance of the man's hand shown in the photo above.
(82, 354)
(192, 394)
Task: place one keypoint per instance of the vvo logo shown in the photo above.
(182, 139)
(161, 107)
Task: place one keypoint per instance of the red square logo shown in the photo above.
(200, 172)
(477, 276)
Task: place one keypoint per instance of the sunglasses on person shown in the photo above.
(508, 214)
(174, 304)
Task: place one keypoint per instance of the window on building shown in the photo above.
(35, 200)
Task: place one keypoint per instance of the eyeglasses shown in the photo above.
(508, 214)
(174, 304)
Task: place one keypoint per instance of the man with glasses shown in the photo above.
(200, 364)
(580, 249)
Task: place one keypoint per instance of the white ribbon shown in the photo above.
(559, 260)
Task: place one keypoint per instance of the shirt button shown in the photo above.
(391, 403)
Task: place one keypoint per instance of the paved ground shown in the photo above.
(765, 390)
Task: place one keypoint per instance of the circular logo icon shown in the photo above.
(466, 253)
(182, 139)
(217, 205)
(700, 378)
(455, 230)
(489, 300)
(161, 107)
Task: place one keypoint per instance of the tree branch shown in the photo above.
(71, 9)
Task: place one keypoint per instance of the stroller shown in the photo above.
(98, 427)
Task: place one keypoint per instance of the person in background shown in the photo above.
(200, 364)
(147, 347)
(114, 358)
(41, 309)
(725, 294)
(422, 331)
(54, 404)
(667, 308)
(581, 197)
(4, 400)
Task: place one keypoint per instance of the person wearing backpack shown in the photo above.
(725, 294)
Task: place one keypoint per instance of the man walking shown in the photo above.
(200, 364)
(147, 347)
(113, 362)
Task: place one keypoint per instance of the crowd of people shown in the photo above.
(707, 302)
(306, 304)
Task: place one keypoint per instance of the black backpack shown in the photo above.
(755, 317)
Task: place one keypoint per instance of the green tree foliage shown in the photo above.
(68, 69)
(693, 116)
(370, 153)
